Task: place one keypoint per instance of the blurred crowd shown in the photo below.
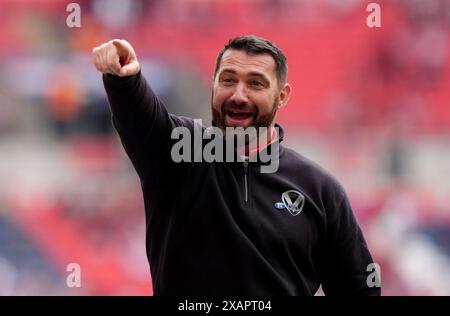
(370, 104)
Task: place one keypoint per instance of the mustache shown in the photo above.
(233, 106)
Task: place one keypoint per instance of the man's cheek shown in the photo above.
(217, 101)
(216, 104)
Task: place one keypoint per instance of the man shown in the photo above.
(226, 228)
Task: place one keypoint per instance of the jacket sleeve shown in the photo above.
(347, 260)
(143, 124)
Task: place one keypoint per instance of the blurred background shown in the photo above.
(372, 105)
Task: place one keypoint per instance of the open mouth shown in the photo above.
(238, 118)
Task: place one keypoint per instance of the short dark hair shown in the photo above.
(256, 45)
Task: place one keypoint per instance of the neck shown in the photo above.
(258, 143)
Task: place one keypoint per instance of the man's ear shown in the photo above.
(284, 95)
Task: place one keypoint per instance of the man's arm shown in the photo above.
(346, 255)
(139, 116)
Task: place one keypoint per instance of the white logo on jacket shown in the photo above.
(293, 201)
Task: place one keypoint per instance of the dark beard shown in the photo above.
(263, 120)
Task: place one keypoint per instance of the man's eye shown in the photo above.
(228, 81)
(256, 83)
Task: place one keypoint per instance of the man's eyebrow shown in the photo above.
(229, 70)
(259, 74)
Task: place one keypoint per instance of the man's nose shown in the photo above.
(240, 95)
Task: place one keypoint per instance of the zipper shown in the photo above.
(245, 181)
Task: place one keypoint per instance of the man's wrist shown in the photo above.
(121, 79)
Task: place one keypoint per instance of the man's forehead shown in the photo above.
(240, 59)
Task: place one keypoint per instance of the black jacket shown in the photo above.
(221, 228)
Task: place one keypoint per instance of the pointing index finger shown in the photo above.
(120, 46)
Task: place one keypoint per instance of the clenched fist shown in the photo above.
(116, 57)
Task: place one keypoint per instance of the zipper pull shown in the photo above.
(245, 167)
(245, 180)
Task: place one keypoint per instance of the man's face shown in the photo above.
(246, 91)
